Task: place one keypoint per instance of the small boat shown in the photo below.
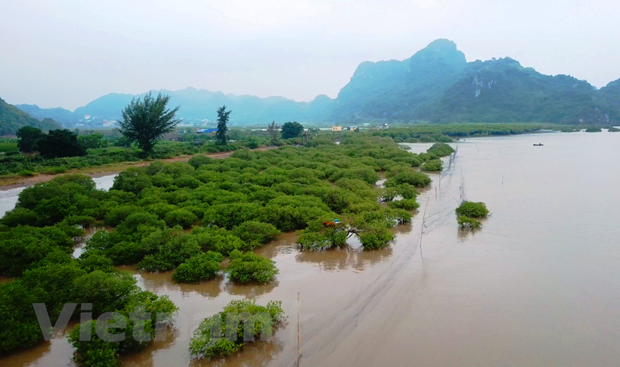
(538, 145)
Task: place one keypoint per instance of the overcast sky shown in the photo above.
(69, 52)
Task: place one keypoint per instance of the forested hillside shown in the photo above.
(438, 85)
(502, 90)
(12, 118)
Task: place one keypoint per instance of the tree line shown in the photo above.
(145, 121)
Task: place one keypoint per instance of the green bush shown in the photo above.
(180, 217)
(19, 327)
(407, 191)
(118, 214)
(219, 240)
(388, 193)
(20, 216)
(171, 253)
(466, 222)
(198, 267)
(23, 246)
(96, 261)
(102, 353)
(199, 160)
(472, 209)
(399, 216)
(310, 239)
(57, 170)
(375, 236)
(266, 318)
(106, 291)
(433, 165)
(411, 177)
(256, 233)
(231, 215)
(249, 267)
(441, 149)
(406, 204)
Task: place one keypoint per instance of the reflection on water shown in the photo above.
(146, 357)
(251, 290)
(56, 352)
(286, 243)
(343, 259)
(253, 355)
(162, 282)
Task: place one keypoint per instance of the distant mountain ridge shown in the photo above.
(436, 84)
(58, 114)
(198, 105)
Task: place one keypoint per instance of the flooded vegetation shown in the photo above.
(537, 286)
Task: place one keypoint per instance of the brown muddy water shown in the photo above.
(538, 285)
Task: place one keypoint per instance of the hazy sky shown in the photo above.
(69, 52)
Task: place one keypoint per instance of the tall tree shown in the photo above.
(28, 137)
(306, 135)
(291, 130)
(146, 121)
(222, 119)
(273, 130)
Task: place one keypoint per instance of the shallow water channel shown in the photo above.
(538, 285)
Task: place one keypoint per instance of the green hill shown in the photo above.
(438, 85)
(504, 91)
(12, 118)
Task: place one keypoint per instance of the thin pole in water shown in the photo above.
(422, 230)
(298, 332)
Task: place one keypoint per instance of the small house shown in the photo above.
(206, 131)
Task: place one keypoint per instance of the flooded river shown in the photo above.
(538, 285)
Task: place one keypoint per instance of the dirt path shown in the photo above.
(7, 183)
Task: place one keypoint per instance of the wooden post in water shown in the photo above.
(298, 332)
(422, 230)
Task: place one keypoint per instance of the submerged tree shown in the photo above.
(146, 121)
(222, 119)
